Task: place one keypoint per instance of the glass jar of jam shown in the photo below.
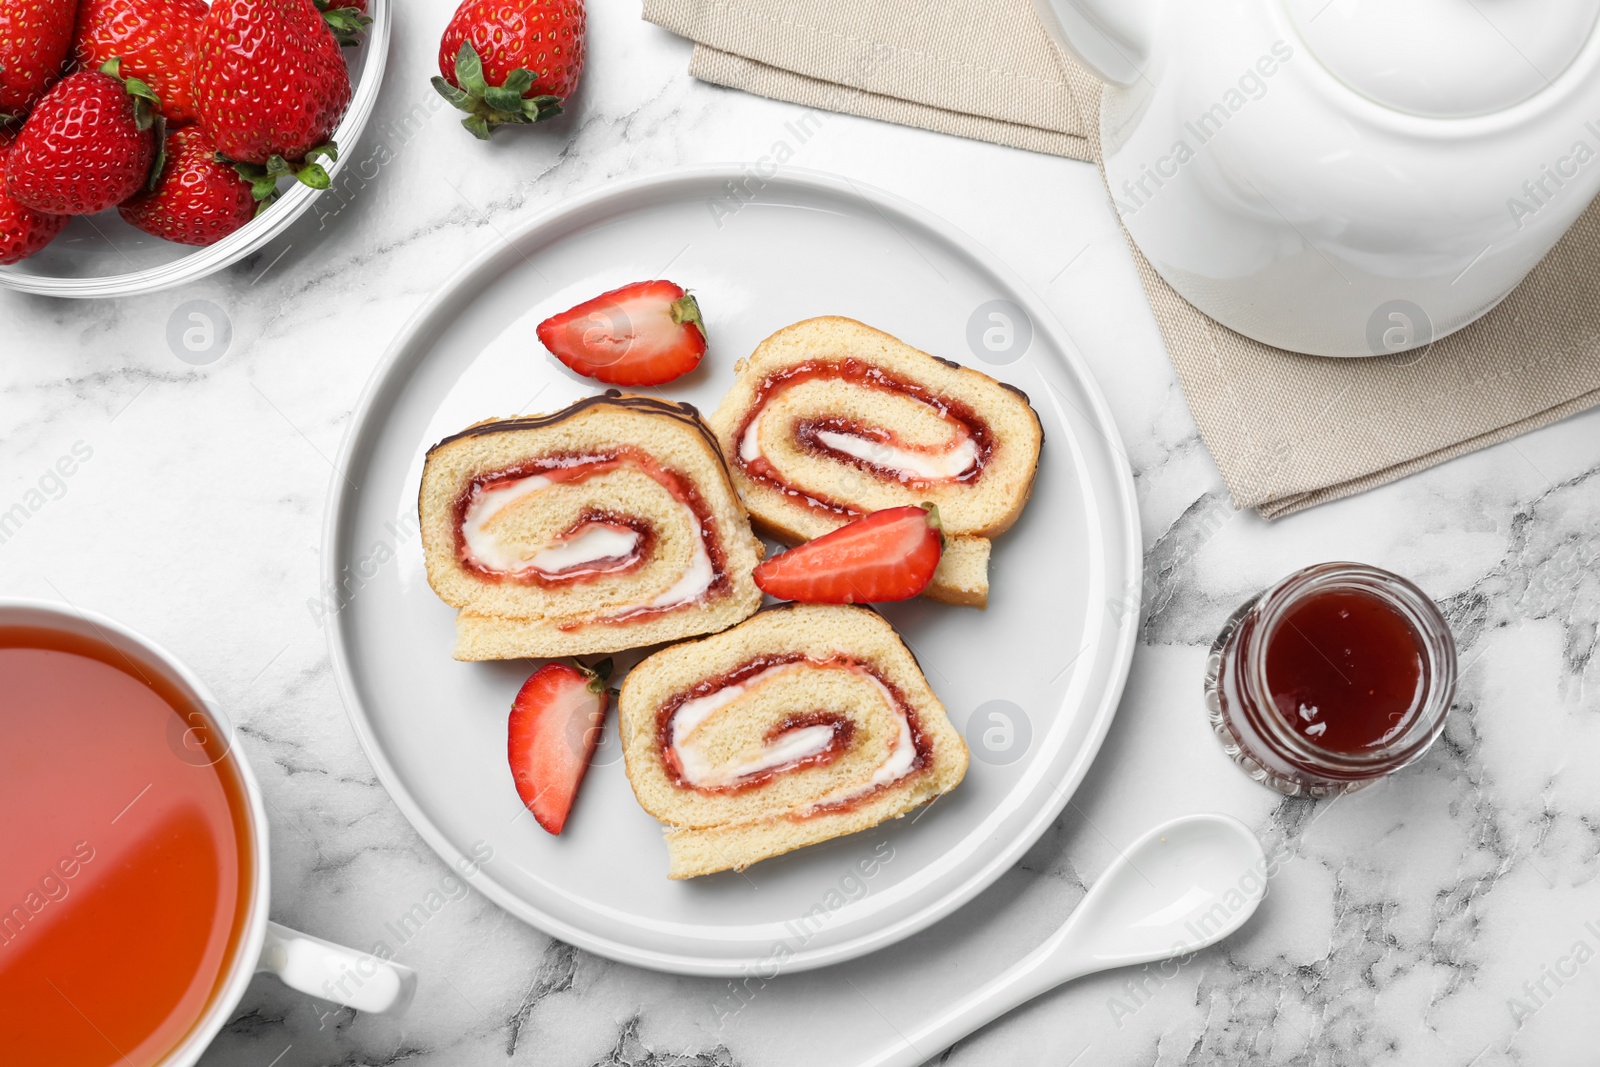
(1332, 678)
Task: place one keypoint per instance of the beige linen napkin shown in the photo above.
(1287, 431)
(968, 67)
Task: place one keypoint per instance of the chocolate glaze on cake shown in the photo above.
(683, 412)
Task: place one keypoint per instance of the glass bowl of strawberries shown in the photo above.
(148, 143)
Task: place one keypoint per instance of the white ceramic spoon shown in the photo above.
(1182, 886)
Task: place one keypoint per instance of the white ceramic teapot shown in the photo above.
(1343, 177)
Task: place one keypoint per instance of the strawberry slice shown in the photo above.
(888, 555)
(554, 728)
(646, 333)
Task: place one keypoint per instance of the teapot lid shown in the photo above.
(1445, 58)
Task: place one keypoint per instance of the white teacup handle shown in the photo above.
(345, 976)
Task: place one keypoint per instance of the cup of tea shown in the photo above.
(134, 871)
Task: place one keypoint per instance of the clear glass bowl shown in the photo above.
(100, 255)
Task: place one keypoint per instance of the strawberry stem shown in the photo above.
(263, 179)
(263, 186)
(146, 104)
(597, 675)
(347, 23)
(491, 106)
(934, 523)
(160, 162)
(687, 309)
(312, 173)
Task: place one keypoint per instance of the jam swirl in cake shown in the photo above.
(612, 523)
(804, 722)
(875, 449)
(798, 740)
(598, 543)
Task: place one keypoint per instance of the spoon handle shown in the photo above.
(1039, 971)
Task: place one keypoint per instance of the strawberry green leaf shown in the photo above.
(490, 106)
(160, 161)
(313, 175)
(540, 108)
(469, 70)
(519, 81)
(347, 23)
(141, 90)
(329, 151)
(145, 100)
(596, 674)
(458, 99)
(263, 184)
(503, 100)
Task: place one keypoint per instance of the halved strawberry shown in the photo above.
(554, 728)
(645, 333)
(888, 555)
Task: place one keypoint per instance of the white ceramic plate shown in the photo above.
(1055, 642)
(100, 255)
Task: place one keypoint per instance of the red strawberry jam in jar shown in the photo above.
(1331, 679)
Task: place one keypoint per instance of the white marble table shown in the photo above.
(1403, 920)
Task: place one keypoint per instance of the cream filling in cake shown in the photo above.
(592, 542)
(750, 443)
(902, 757)
(483, 544)
(953, 462)
(695, 581)
(699, 770)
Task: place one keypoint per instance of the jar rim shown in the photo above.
(1434, 639)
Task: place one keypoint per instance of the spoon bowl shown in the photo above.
(1184, 885)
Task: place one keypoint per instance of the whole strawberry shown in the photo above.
(510, 61)
(196, 200)
(271, 85)
(86, 146)
(35, 36)
(155, 39)
(23, 231)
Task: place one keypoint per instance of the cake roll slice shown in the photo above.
(611, 524)
(829, 420)
(804, 723)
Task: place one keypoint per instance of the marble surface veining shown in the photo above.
(1448, 916)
